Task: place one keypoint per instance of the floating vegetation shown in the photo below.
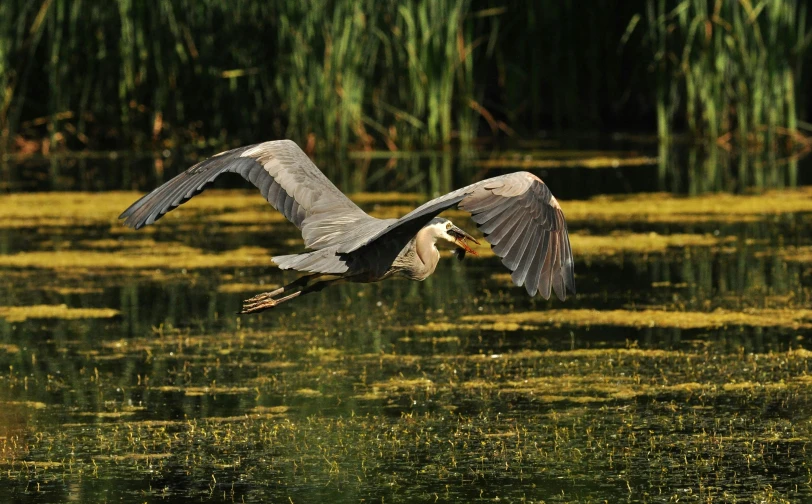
(585, 245)
(449, 389)
(308, 392)
(585, 161)
(61, 209)
(250, 217)
(37, 405)
(245, 207)
(107, 414)
(788, 318)
(798, 254)
(717, 207)
(401, 384)
(640, 243)
(200, 391)
(241, 287)
(67, 291)
(496, 325)
(72, 209)
(162, 255)
(63, 312)
(240, 405)
(563, 415)
(130, 457)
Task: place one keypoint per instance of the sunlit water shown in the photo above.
(404, 391)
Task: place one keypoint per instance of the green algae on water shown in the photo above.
(788, 318)
(167, 254)
(63, 312)
(246, 207)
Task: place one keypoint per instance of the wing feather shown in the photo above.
(547, 268)
(514, 256)
(285, 176)
(512, 233)
(498, 228)
(535, 280)
(526, 261)
(518, 215)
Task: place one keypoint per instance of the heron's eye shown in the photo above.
(448, 225)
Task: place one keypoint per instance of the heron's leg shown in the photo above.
(299, 282)
(265, 303)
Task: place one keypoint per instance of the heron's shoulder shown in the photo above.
(512, 184)
(284, 143)
(524, 178)
(272, 149)
(259, 152)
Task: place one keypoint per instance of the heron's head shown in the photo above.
(446, 230)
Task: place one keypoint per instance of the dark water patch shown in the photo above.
(678, 170)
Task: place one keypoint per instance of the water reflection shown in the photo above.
(677, 169)
(698, 170)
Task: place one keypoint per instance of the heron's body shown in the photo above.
(516, 212)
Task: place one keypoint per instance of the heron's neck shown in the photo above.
(426, 250)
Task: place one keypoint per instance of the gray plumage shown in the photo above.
(516, 212)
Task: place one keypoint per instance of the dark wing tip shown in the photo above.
(563, 272)
(126, 214)
(140, 213)
(152, 206)
(130, 221)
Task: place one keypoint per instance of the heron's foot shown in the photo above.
(263, 296)
(257, 306)
(265, 301)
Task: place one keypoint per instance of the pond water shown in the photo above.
(679, 372)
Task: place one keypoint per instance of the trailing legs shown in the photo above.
(267, 300)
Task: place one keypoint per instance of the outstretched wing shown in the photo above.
(285, 176)
(519, 217)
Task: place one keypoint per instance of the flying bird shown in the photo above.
(516, 212)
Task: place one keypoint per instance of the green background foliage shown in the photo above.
(397, 74)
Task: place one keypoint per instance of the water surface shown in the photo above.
(679, 371)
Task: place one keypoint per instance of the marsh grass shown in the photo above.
(345, 73)
(392, 75)
(729, 70)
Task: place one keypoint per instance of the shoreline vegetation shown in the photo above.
(393, 76)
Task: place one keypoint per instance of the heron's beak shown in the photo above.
(461, 238)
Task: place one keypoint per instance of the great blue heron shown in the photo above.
(516, 212)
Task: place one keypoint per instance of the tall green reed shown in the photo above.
(395, 74)
(730, 70)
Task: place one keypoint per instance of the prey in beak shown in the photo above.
(461, 239)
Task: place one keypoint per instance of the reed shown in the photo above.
(335, 74)
(728, 70)
(394, 74)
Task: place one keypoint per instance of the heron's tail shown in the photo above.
(319, 261)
